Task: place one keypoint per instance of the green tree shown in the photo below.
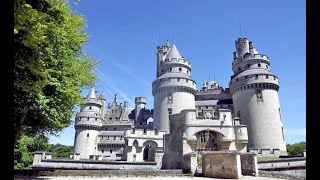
(50, 67)
(26, 145)
(296, 149)
(59, 150)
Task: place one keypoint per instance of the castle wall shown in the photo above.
(85, 145)
(261, 117)
(180, 101)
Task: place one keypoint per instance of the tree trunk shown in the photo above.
(19, 125)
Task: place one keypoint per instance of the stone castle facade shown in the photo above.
(245, 117)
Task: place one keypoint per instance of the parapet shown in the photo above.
(266, 152)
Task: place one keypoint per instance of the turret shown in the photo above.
(254, 91)
(103, 102)
(140, 103)
(173, 90)
(87, 124)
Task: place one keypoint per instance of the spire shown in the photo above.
(115, 98)
(92, 94)
(173, 53)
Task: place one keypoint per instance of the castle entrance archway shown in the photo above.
(149, 152)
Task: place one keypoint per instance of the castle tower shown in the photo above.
(140, 104)
(173, 90)
(102, 98)
(254, 91)
(87, 124)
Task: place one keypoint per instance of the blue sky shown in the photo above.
(123, 35)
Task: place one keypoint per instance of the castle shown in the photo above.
(245, 117)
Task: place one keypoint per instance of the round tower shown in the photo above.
(140, 103)
(173, 90)
(254, 91)
(87, 124)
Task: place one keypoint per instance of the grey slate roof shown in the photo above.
(92, 94)
(111, 133)
(253, 71)
(173, 53)
(206, 102)
(174, 75)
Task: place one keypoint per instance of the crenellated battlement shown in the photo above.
(174, 81)
(177, 61)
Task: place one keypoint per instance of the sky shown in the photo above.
(123, 35)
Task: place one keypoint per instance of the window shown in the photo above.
(90, 107)
(257, 76)
(246, 77)
(101, 137)
(199, 114)
(259, 95)
(106, 128)
(178, 79)
(259, 65)
(114, 128)
(102, 151)
(170, 110)
(187, 80)
(87, 134)
(274, 78)
(280, 114)
(144, 131)
(180, 69)
(88, 119)
(108, 137)
(237, 80)
(161, 70)
(187, 71)
(96, 119)
(267, 66)
(120, 137)
(170, 69)
(239, 68)
(248, 65)
(207, 107)
(267, 76)
(202, 137)
(110, 151)
(170, 98)
(114, 137)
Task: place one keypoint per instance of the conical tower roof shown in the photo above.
(173, 53)
(92, 94)
(102, 96)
